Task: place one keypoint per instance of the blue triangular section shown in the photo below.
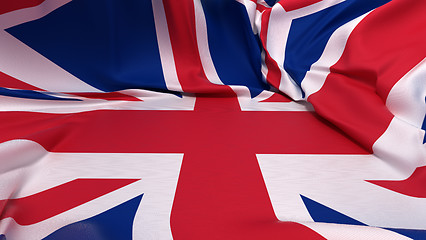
(309, 35)
(114, 224)
(109, 44)
(424, 128)
(2, 237)
(321, 213)
(234, 49)
(271, 2)
(411, 233)
(30, 94)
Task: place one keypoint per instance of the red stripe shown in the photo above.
(110, 96)
(352, 106)
(46, 204)
(414, 186)
(260, 7)
(276, 97)
(394, 48)
(7, 81)
(290, 5)
(220, 193)
(181, 24)
(375, 58)
(175, 131)
(12, 5)
(274, 74)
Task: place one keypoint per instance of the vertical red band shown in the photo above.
(274, 74)
(181, 24)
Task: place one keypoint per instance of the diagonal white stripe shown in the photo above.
(21, 62)
(276, 42)
(338, 181)
(317, 74)
(151, 101)
(278, 30)
(20, 16)
(353, 232)
(313, 8)
(158, 173)
(402, 143)
(406, 100)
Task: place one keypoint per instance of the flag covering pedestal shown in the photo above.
(212, 119)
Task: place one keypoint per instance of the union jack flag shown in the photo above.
(212, 119)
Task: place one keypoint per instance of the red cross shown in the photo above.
(220, 193)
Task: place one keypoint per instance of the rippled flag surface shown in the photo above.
(212, 119)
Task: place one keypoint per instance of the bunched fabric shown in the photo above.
(212, 119)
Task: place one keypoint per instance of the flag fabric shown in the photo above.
(212, 119)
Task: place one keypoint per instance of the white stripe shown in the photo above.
(151, 101)
(252, 13)
(165, 47)
(152, 217)
(203, 44)
(263, 3)
(338, 182)
(278, 30)
(317, 74)
(253, 104)
(263, 95)
(402, 142)
(276, 41)
(264, 69)
(353, 232)
(258, 29)
(276, 106)
(401, 145)
(21, 62)
(406, 100)
(20, 16)
(310, 9)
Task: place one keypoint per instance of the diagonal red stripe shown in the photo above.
(111, 96)
(9, 6)
(51, 202)
(414, 186)
(11, 82)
